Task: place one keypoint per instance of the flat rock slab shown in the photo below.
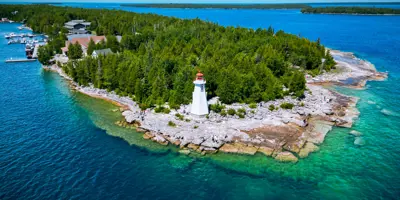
(266, 150)
(307, 149)
(286, 157)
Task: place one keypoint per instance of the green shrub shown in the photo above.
(231, 111)
(223, 113)
(143, 106)
(195, 127)
(241, 115)
(159, 109)
(253, 105)
(166, 111)
(179, 116)
(271, 107)
(302, 104)
(172, 124)
(217, 107)
(287, 105)
(187, 120)
(253, 111)
(241, 110)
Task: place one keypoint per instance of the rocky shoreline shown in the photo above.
(285, 134)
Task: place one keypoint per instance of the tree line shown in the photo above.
(159, 56)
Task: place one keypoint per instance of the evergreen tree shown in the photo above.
(91, 47)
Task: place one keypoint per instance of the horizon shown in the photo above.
(203, 1)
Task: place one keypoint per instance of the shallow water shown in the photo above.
(56, 144)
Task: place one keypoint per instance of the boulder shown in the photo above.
(161, 140)
(212, 142)
(286, 156)
(266, 150)
(355, 133)
(307, 149)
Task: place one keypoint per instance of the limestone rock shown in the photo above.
(286, 157)
(193, 146)
(161, 140)
(294, 146)
(307, 149)
(266, 150)
(147, 136)
(177, 142)
(229, 148)
(244, 149)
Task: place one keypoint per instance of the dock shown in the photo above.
(20, 60)
(35, 51)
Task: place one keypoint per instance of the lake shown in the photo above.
(58, 144)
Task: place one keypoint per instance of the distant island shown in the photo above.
(220, 6)
(351, 10)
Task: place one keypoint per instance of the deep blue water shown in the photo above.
(54, 142)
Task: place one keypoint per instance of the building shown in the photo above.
(199, 101)
(102, 52)
(77, 26)
(83, 41)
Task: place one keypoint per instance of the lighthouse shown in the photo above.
(199, 102)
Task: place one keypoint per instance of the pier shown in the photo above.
(20, 60)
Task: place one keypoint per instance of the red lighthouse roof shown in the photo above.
(199, 76)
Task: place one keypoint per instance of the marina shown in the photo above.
(31, 41)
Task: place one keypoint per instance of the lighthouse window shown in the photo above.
(202, 88)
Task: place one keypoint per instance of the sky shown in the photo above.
(204, 1)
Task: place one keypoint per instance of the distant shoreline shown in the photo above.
(220, 6)
(351, 14)
(353, 10)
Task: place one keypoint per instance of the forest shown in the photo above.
(220, 6)
(159, 56)
(352, 10)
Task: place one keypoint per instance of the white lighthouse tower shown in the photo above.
(199, 102)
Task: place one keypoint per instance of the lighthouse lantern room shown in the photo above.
(199, 101)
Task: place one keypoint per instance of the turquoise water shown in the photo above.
(56, 143)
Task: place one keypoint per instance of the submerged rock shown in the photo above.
(359, 141)
(184, 151)
(286, 156)
(355, 133)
